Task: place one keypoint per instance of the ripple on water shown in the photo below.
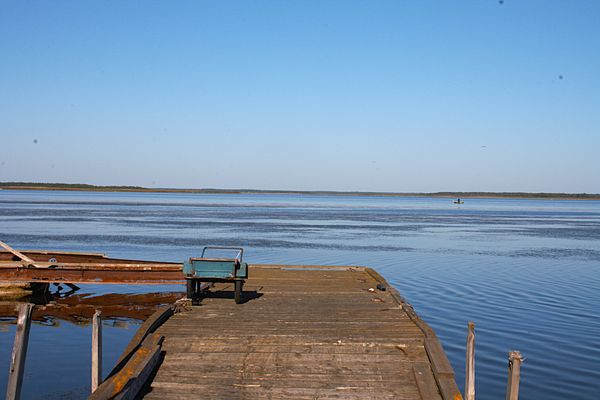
(526, 272)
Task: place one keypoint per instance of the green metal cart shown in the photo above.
(206, 269)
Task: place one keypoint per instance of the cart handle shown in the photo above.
(238, 256)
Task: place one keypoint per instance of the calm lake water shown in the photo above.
(527, 272)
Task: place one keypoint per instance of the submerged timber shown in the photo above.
(51, 309)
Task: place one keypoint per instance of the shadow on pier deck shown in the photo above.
(303, 333)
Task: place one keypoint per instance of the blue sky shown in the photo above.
(396, 96)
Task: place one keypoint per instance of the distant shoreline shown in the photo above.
(462, 195)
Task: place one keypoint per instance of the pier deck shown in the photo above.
(303, 333)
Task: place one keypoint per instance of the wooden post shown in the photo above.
(19, 353)
(514, 375)
(470, 364)
(96, 350)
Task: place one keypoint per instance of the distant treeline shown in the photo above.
(86, 187)
(64, 186)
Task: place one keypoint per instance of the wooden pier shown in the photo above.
(302, 333)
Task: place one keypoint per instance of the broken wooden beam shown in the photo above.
(19, 353)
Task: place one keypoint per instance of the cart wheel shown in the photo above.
(238, 291)
(189, 286)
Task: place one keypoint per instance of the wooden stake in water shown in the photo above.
(19, 353)
(470, 364)
(96, 350)
(514, 375)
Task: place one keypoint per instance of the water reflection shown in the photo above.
(117, 309)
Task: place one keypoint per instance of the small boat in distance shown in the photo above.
(459, 201)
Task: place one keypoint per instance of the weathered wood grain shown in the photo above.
(470, 363)
(425, 381)
(129, 380)
(443, 373)
(148, 327)
(19, 353)
(515, 359)
(304, 333)
(96, 350)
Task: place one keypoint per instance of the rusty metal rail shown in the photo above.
(56, 267)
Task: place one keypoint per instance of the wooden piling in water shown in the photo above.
(515, 359)
(137, 363)
(96, 350)
(470, 364)
(19, 353)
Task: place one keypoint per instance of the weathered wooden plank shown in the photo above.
(278, 358)
(309, 318)
(273, 378)
(351, 392)
(443, 372)
(470, 363)
(363, 301)
(439, 362)
(304, 313)
(129, 380)
(291, 338)
(330, 334)
(411, 351)
(305, 334)
(245, 391)
(343, 337)
(19, 353)
(425, 381)
(286, 341)
(149, 326)
(96, 350)
(272, 381)
(514, 375)
(202, 370)
(448, 388)
(330, 331)
(250, 314)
